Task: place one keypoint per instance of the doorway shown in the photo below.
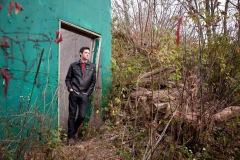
(74, 37)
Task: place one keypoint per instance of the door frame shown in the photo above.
(96, 53)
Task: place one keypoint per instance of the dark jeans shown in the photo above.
(80, 100)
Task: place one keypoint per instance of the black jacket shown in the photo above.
(79, 82)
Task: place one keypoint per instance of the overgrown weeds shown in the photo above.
(175, 95)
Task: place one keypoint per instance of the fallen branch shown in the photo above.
(156, 71)
(227, 113)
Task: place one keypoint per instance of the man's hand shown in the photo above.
(70, 89)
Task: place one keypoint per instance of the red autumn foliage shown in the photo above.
(178, 30)
(134, 36)
(6, 77)
(11, 5)
(58, 37)
(0, 7)
(4, 43)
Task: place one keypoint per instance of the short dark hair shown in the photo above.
(83, 48)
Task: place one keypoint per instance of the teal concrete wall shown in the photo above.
(30, 31)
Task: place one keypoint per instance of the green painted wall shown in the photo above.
(30, 31)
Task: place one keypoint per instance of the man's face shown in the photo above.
(85, 55)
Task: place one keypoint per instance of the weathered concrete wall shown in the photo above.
(27, 33)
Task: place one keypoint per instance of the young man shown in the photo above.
(80, 81)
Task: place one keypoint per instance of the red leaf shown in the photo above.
(6, 77)
(178, 30)
(18, 8)
(4, 43)
(0, 7)
(57, 34)
(11, 5)
(58, 37)
(16, 4)
(134, 36)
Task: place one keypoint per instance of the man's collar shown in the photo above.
(79, 62)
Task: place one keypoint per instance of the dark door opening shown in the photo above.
(74, 38)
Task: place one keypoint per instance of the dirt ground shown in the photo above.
(98, 147)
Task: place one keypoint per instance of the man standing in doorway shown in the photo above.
(80, 81)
